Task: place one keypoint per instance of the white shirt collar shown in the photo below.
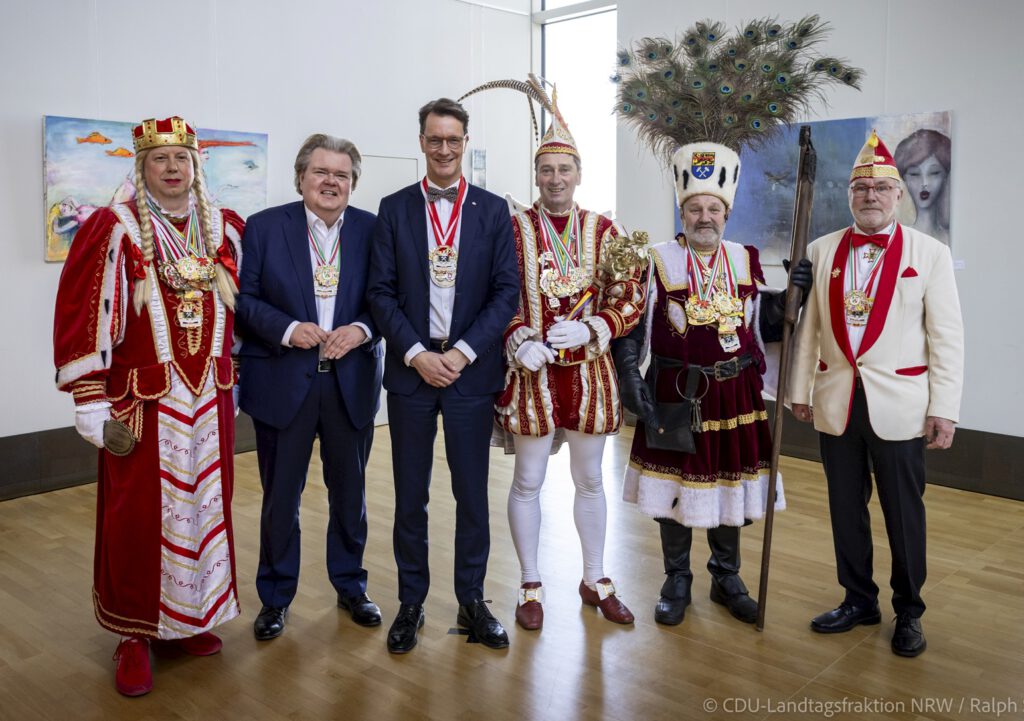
(314, 220)
(432, 184)
(888, 230)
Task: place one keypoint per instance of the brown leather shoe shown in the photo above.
(529, 611)
(605, 599)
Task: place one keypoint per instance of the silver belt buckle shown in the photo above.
(323, 365)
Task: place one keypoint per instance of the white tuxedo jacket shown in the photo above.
(911, 357)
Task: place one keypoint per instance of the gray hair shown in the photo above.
(333, 144)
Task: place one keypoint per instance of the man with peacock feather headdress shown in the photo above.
(142, 339)
(702, 449)
(561, 384)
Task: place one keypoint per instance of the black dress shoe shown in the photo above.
(732, 593)
(845, 617)
(402, 634)
(270, 623)
(908, 639)
(363, 610)
(485, 627)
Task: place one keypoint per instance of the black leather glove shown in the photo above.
(802, 276)
(636, 396)
(773, 305)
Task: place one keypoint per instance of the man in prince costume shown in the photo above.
(561, 384)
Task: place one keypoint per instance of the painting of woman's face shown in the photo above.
(924, 181)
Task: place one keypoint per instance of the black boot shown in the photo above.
(727, 588)
(675, 593)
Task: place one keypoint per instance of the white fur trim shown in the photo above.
(721, 505)
(113, 273)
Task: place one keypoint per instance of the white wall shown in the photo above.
(919, 55)
(355, 68)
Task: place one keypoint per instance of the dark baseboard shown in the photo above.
(988, 463)
(59, 458)
(982, 462)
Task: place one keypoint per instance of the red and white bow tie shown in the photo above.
(879, 239)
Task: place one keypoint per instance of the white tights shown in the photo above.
(589, 508)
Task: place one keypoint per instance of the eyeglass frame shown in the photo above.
(861, 191)
(453, 143)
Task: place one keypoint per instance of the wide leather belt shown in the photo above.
(720, 371)
(727, 369)
(439, 345)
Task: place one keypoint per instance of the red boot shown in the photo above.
(132, 676)
(605, 599)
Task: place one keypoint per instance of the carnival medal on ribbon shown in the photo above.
(444, 259)
(183, 266)
(327, 274)
(562, 277)
(858, 299)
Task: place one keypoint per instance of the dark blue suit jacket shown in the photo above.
(486, 287)
(276, 288)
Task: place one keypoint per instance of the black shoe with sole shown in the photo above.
(270, 623)
(402, 634)
(363, 611)
(482, 624)
(845, 617)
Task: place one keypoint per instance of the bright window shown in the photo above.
(579, 56)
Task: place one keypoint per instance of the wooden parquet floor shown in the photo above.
(55, 661)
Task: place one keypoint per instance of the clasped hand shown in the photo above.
(440, 369)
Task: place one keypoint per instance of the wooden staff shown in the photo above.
(797, 251)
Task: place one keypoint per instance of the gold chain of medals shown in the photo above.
(713, 296)
(561, 277)
(185, 269)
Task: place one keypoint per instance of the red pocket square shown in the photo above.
(909, 272)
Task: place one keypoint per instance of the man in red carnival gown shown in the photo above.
(142, 339)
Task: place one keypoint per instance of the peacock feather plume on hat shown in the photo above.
(557, 139)
(733, 90)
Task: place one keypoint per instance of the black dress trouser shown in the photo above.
(899, 475)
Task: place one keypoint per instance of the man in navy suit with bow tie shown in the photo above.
(443, 285)
(311, 367)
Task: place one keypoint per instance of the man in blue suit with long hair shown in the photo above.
(311, 367)
(443, 286)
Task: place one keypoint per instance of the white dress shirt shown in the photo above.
(856, 332)
(442, 300)
(325, 237)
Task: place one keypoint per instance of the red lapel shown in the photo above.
(884, 293)
(836, 283)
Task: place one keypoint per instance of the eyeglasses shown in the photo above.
(454, 142)
(861, 190)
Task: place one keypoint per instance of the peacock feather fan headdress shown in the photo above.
(557, 139)
(731, 90)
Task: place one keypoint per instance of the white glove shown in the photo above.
(89, 420)
(532, 354)
(568, 334)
